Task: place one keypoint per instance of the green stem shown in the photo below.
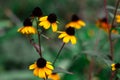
(58, 53)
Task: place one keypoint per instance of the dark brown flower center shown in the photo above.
(70, 31)
(103, 20)
(27, 22)
(75, 18)
(52, 18)
(41, 63)
(37, 12)
(117, 65)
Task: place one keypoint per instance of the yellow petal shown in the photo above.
(49, 66)
(19, 29)
(43, 18)
(47, 71)
(42, 73)
(36, 72)
(62, 35)
(54, 76)
(54, 27)
(33, 66)
(81, 23)
(112, 64)
(49, 62)
(70, 24)
(73, 39)
(113, 69)
(66, 39)
(45, 24)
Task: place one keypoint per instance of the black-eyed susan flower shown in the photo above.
(103, 24)
(42, 68)
(115, 66)
(76, 22)
(37, 12)
(54, 76)
(27, 28)
(117, 18)
(68, 35)
(48, 21)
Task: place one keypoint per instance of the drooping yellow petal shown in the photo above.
(70, 24)
(43, 18)
(66, 39)
(73, 39)
(45, 24)
(47, 71)
(49, 62)
(19, 29)
(113, 65)
(54, 76)
(113, 69)
(49, 66)
(82, 23)
(33, 66)
(42, 73)
(62, 35)
(36, 71)
(54, 27)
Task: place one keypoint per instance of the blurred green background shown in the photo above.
(92, 48)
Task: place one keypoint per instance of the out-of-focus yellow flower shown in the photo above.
(68, 35)
(75, 22)
(54, 76)
(42, 68)
(27, 28)
(118, 18)
(48, 21)
(103, 24)
(115, 66)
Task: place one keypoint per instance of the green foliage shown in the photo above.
(16, 54)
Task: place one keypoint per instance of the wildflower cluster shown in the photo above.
(41, 67)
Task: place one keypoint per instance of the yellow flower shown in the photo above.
(42, 68)
(76, 23)
(68, 35)
(115, 66)
(27, 28)
(54, 76)
(48, 21)
(118, 18)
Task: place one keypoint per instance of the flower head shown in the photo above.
(117, 18)
(115, 66)
(27, 28)
(42, 68)
(68, 35)
(103, 24)
(48, 21)
(37, 12)
(76, 22)
(54, 76)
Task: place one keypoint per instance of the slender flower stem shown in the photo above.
(109, 32)
(39, 42)
(58, 53)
